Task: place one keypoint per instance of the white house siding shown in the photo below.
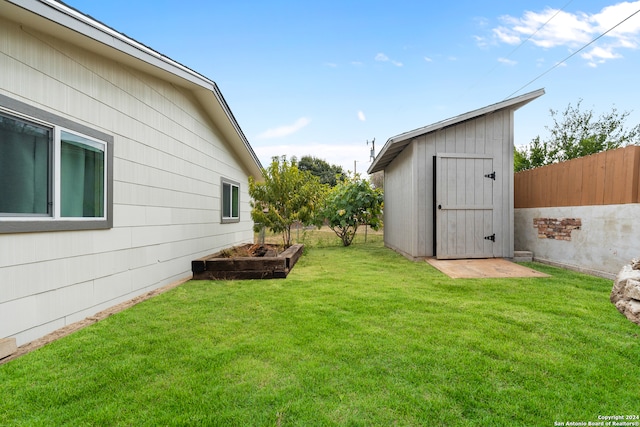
(607, 238)
(168, 162)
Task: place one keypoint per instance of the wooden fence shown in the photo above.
(608, 178)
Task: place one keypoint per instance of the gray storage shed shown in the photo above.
(449, 186)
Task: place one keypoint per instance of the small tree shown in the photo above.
(377, 180)
(287, 195)
(577, 133)
(351, 203)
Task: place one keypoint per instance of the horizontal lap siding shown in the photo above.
(168, 161)
(608, 178)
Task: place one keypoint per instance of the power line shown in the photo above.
(521, 44)
(539, 28)
(576, 52)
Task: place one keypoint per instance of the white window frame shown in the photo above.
(232, 184)
(57, 170)
(53, 220)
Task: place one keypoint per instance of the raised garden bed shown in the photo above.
(247, 262)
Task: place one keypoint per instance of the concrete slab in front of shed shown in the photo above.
(483, 268)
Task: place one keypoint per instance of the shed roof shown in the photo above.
(396, 144)
(66, 23)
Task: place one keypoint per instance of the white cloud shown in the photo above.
(361, 116)
(481, 41)
(611, 15)
(331, 64)
(507, 61)
(426, 58)
(384, 58)
(549, 28)
(481, 21)
(285, 130)
(599, 55)
(554, 28)
(505, 36)
(381, 57)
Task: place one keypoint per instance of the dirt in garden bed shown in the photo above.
(251, 251)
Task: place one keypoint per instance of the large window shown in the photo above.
(230, 201)
(53, 174)
(25, 167)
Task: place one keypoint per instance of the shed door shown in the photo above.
(464, 206)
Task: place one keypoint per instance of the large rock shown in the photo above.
(626, 291)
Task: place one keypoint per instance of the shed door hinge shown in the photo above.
(492, 237)
(491, 175)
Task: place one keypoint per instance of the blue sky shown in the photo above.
(323, 77)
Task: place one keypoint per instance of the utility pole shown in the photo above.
(372, 157)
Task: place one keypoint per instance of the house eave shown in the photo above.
(70, 25)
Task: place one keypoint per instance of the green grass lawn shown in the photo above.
(354, 336)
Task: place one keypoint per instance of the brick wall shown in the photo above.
(556, 228)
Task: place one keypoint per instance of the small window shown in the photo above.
(81, 177)
(54, 174)
(230, 201)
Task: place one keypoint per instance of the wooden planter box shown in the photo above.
(216, 267)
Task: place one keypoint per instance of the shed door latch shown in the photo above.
(491, 175)
(492, 237)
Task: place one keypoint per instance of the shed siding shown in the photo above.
(168, 161)
(400, 204)
(489, 134)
